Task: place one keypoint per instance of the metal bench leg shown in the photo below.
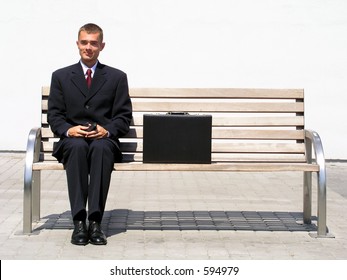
(31, 205)
(322, 230)
(31, 181)
(27, 202)
(322, 207)
(308, 185)
(36, 195)
(307, 209)
(313, 140)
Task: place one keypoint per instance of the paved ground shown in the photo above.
(178, 215)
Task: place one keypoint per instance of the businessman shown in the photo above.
(89, 108)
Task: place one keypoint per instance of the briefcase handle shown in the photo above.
(177, 113)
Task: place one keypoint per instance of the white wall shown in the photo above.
(182, 43)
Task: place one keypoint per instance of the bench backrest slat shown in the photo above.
(210, 93)
(222, 133)
(232, 121)
(260, 125)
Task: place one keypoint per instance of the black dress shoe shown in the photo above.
(96, 235)
(80, 234)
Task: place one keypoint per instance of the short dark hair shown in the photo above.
(92, 28)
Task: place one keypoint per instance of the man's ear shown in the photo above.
(102, 46)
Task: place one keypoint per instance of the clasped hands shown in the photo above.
(82, 131)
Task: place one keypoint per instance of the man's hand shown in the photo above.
(78, 131)
(99, 133)
(81, 131)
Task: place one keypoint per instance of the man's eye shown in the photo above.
(92, 43)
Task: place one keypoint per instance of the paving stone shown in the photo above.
(178, 215)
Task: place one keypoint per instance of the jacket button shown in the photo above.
(87, 106)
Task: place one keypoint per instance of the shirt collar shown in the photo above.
(85, 68)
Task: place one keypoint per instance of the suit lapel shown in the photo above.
(78, 78)
(98, 81)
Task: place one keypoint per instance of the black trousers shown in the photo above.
(88, 165)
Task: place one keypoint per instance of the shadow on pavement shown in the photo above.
(121, 220)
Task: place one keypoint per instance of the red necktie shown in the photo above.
(89, 77)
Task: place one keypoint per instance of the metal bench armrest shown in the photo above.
(313, 140)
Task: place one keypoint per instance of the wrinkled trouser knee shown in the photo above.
(88, 164)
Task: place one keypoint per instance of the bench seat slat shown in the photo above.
(235, 157)
(217, 157)
(242, 167)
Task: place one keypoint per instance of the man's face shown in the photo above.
(89, 47)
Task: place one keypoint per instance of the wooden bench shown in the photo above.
(253, 130)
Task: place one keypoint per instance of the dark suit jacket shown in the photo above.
(107, 102)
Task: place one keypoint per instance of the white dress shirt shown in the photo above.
(85, 68)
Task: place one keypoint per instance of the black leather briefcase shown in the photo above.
(177, 138)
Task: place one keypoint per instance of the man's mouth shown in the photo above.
(87, 53)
